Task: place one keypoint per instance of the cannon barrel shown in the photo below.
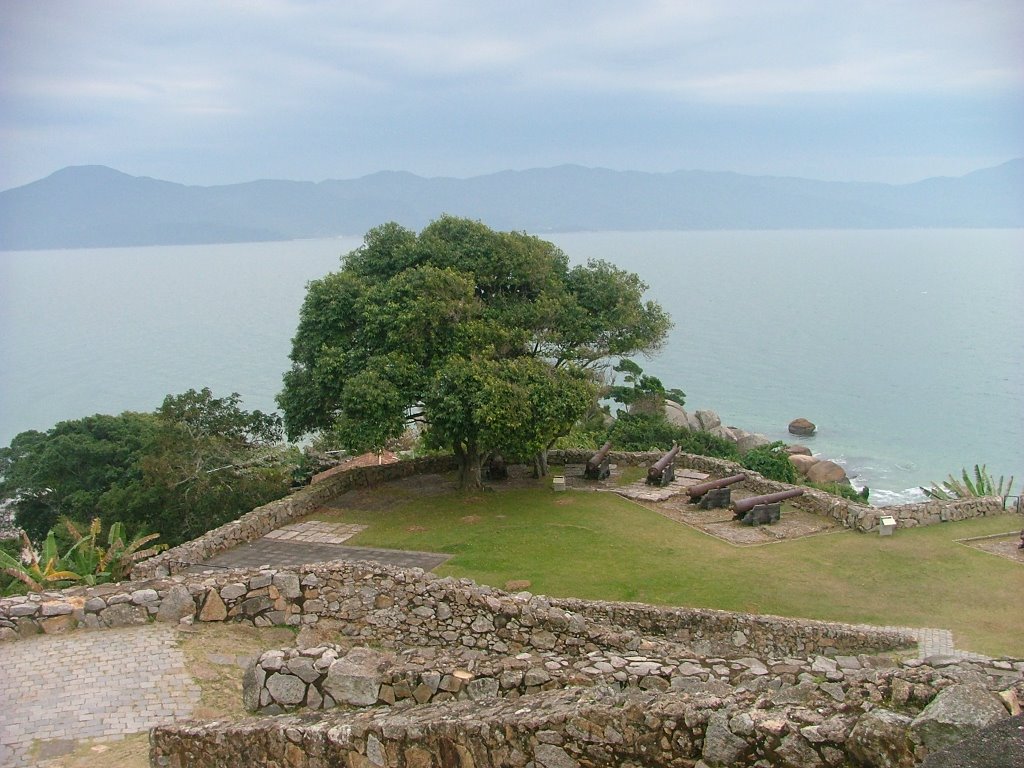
(696, 491)
(659, 466)
(601, 455)
(745, 505)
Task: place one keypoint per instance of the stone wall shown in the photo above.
(396, 607)
(725, 714)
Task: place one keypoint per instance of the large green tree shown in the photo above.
(487, 340)
(191, 465)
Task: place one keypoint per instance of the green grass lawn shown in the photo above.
(603, 547)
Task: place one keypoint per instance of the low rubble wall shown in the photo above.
(396, 607)
(724, 715)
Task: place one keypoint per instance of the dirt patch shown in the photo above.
(217, 655)
(1004, 545)
(415, 529)
(470, 519)
(129, 752)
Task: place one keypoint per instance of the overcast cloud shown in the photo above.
(217, 92)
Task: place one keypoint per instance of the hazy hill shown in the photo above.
(93, 206)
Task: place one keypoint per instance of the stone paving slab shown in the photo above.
(280, 553)
(105, 684)
(317, 532)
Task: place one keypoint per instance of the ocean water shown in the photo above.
(905, 347)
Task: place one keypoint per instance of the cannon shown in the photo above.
(741, 507)
(696, 491)
(663, 471)
(597, 466)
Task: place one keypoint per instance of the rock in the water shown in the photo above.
(803, 463)
(954, 714)
(750, 441)
(826, 472)
(802, 427)
(708, 420)
(880, 739)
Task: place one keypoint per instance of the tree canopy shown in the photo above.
(194, 463)
(486, 340)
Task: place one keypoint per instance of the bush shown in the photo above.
(843, 490)
(648, 431)
(772, 461)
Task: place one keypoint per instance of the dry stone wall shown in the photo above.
(395, 607)
(726, 715)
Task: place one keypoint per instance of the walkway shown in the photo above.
(314, 541)
(57, 689)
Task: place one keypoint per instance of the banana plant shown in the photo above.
(965, 487)
(41, 571)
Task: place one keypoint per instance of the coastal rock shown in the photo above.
(723, 432)
(826, 472)
(708, 420)
(749, 441)
(678, 416)
(803, 463)
(795, 449)
(802, 427)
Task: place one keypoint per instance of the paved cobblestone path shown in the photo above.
(89, 685)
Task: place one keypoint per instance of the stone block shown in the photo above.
(176, 605)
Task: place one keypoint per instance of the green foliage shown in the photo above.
(982, 484)
(844, 490)
(650, 431)
(642, 392)
(45, 570)
(479, 337)
(772, 462)
(85, 562)
(193, 464)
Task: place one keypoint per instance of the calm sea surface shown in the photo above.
(906, 347)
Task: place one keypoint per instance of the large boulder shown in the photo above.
(955, 713)
(802, 427)
(678, 416)
(879, 739)
(749, 441)
(356, 678)
(803, 463)
(794, 449)
(725, 433)
(826, 472)
(708, 420)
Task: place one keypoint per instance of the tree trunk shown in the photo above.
(540, 463)
(469, 461)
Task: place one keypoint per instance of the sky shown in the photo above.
(223, 91)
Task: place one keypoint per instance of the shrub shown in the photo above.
(772, 461)
(844, 490)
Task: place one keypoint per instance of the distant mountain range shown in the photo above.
(95, 206)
